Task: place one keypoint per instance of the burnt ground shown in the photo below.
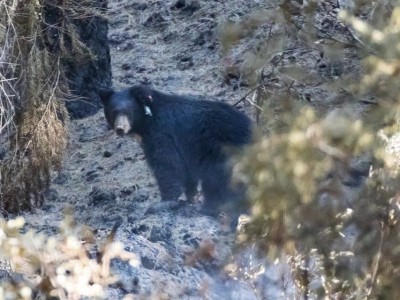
(174, 46)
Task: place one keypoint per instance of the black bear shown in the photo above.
(185, 141)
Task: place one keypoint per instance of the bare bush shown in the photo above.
(69, 265)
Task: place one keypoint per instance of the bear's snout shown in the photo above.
(122, 126)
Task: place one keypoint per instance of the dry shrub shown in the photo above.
(343, 242)
(69, 265)
(39, 139)
(35, 37)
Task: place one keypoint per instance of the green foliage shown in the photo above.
(343, 241)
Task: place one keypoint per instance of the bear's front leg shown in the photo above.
(169, 172)
(170, 185)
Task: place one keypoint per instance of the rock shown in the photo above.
(141, 195)
(179, 4)
(185, 63)
(107, 153)
(127, 191)
(85, 75)
(2, 154)
(125, 66)
(139, 229)
(91, 175)
(191, 7)
(156, 19)
(148, 263)
(99, 197)
(159, 234)
(358, 172)
(191, 241)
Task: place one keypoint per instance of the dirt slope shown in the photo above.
(174, 46)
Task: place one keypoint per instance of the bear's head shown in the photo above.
(126, 111)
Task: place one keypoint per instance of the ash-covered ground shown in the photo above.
(174, 46)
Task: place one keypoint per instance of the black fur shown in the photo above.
(185, 141)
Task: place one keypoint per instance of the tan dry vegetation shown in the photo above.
(340, 247)
(33, 94)
(70, 265)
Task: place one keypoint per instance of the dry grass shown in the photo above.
(33, 90)
(34, 114)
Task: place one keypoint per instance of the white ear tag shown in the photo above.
(147, 111)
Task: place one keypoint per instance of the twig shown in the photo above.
(369, 102)
(369, 49)
(360, 44)
(306, 277)
(244, 97)
(256, 99)
(377, 262)
(323, 34)
(290, 86)
(357, 39)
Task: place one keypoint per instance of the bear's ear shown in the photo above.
(144, 95)
(105, 95)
